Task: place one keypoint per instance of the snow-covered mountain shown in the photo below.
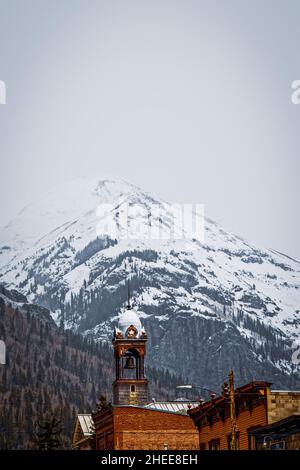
(208, 306)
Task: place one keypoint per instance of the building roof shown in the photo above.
(127, 318)
(178, 407)
(173, 406)
(86, 424)
(83, 430)
(257, 387)
(291, 423)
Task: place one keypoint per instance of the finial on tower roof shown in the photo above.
(128, 295)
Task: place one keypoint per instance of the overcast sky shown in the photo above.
(191, 100)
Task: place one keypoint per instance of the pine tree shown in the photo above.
(48, 434)
(102, 403)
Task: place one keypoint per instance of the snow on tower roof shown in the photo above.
(127, 318)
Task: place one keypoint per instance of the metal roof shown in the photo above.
(173, 406)
(86, 424)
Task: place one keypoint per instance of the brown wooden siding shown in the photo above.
(221, 430)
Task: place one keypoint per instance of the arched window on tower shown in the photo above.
(132, 364)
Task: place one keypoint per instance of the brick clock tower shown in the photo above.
(129, 342)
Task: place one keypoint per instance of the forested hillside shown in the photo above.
(52, 371)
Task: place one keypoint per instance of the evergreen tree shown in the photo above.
(102, 403)
(47, 435)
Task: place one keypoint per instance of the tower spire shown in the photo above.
(128, 295)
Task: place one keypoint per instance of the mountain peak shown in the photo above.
(53, 253)
(63, 204)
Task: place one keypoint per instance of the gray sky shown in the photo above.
(191, 100)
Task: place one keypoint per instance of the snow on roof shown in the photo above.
(174, 406)
(86, 424)
(127, 318)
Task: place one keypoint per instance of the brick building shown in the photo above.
(256, 406)
(131, 422)
(143, 428)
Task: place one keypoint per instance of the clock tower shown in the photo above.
(129, 342)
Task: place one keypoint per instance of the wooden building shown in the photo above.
(84, 433)
(256, 405)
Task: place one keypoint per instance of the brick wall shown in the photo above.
(282, 404)
(104, 428)
(144, 429)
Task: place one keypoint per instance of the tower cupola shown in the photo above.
(129, 342)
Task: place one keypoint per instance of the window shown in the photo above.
(202, 446)
(251, 442)
(237, 439)
(133, 398)
(214, 444)
(279, 445)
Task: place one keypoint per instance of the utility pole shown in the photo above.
(232, 411)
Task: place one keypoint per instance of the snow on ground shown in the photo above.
(45, 237)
